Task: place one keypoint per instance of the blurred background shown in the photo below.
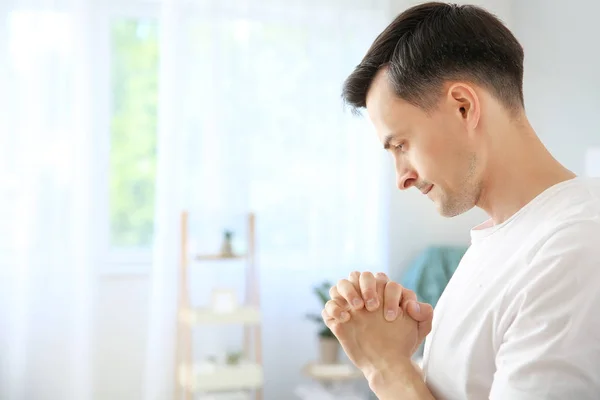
(179, 180)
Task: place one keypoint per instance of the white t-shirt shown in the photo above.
(520, 317)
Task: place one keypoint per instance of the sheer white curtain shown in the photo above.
(252, 120)
(46, 200)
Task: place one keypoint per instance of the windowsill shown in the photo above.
(125, 270)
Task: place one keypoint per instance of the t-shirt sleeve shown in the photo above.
(551, 348)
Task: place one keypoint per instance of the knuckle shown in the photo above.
(333, 309)
(393, 287)
(345, 288)
(367, 275)
(333, 292)
(381, 276)
(408, 296)
(354, 274)
(393, 294)
(341, 283)
(341, 288)
(367, 282)
(354, 290)
(427, 309)
(369, 292)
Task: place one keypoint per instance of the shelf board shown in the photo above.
(218, 257)
(223, 378)
(332, 372)
(237, 395)
(205, 316)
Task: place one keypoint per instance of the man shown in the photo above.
(520, 318)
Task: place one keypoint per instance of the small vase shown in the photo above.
(330, 348)
(226, 246)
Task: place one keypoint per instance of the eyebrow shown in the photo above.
(387, 140)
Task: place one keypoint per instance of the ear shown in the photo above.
(463, 98)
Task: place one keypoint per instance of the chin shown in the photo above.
(452, 209)
(447, 214)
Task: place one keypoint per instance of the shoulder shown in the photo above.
(564, 258)
(550, 344)
(577, 202)
(568, 225)
(557, 285)
(573, 242)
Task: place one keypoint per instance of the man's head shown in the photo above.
(433, 83)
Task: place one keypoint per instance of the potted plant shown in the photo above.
(328, 343)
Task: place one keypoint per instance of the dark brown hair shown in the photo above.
(431, 43)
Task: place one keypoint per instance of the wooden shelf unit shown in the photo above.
(217, 257)
(193, 378)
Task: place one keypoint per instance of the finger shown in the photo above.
(329, 322)
(391, 300)
(336, 312)
(349, 294)
(368, 290)
(414, 310)
(335, 295)
(326, 317)
(381, 280)
(354, 278)
(407, 296)
(424, 326)
(334, 326)
(420, 312)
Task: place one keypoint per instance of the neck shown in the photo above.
(518, 168)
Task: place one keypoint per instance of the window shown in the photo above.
(134, 86)
(260, 132)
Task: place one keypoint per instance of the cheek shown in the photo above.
(438, 160)
(430, 160)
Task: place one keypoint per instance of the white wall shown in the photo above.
(562, 74)
(120, 337)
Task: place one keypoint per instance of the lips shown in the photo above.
(427, 189)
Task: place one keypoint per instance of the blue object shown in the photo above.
(429, 274)
(431, 271)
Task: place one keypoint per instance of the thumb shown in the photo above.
(420, 312)
(425, 324)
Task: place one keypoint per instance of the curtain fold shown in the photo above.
(256, 122)
(159, 372)
(46, 143)
(249, 120)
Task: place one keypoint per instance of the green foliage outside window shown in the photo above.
(133, 132)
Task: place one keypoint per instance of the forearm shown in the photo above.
(401, 381)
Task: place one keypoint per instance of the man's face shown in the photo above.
(435, 152)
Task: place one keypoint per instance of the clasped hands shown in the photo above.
(378, 323)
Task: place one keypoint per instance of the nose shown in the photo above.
(405, 179)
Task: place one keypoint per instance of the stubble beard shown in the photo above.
(458, 202)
